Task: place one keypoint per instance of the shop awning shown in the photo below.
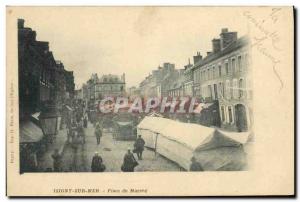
(30, 132)
(36, 115)
(202, 106)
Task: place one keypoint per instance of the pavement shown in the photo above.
(112, 153)
(59, 143)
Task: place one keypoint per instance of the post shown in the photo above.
(155, 148)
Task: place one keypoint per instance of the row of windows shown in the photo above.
(109, 87)
(110, 80)
(236, 89)
(175, 93)
(235, 64)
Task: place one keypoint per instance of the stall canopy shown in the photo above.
(30, 132)
(179, 141)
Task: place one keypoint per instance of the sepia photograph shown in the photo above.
(127, 95)
(99, 116)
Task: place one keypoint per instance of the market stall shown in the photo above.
(177, 141)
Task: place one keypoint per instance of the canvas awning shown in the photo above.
(30, 132)
(179, 141)
(36, 115)
(202, 106)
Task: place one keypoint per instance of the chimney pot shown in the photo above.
(197, 57)
(227, 38)
(216, 45)
(21, 23)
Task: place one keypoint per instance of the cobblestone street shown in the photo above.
(112, 152)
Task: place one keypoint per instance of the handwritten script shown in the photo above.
(265, 34)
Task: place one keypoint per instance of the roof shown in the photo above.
(110, 78)
(177, 131)
(239, 43)
(193, 136)
(155, 114)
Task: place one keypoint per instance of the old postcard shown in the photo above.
(150, 101)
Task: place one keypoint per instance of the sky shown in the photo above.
(130, 40)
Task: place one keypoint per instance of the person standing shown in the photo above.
(97, 163)
(98, 133)
(85, 121)
(129, 162)
(80, 131)
(195, 166)
(139, 147)
(57, 158)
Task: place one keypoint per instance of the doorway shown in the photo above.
(241, 118)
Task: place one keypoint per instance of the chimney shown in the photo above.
(123, 77)
(224, 30)
(216, 45)
(197, 58)
(227, 38)
(21, 23)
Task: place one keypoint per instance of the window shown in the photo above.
(220, 70)
(233, 65)
(239, 63)
(210, 91)
(221, 90)
(213, 73)
(246, 61)
(241, 88)
(249, 88)
(226, 68)
(230, 114)
(235, 88)
(228, 93)
(222, 113)
(208, 74)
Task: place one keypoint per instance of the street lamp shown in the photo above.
(48, 121)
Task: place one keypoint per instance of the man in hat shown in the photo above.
(139, 146)
(98, 133)
(97, 163)
(129, 162)
(195, 166)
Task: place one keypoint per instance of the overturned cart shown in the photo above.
(179, 142)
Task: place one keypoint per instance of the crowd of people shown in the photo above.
(76, 136)
(129, 161)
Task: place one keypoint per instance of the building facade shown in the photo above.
(224, 75)
(107, 85)
(160, 81)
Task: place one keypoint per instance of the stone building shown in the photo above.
(36, 71)
(159, 82)
(107, 85)
(59, 83)
(224, 76)
(70, 84)
(133, 92)
(41, 80)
